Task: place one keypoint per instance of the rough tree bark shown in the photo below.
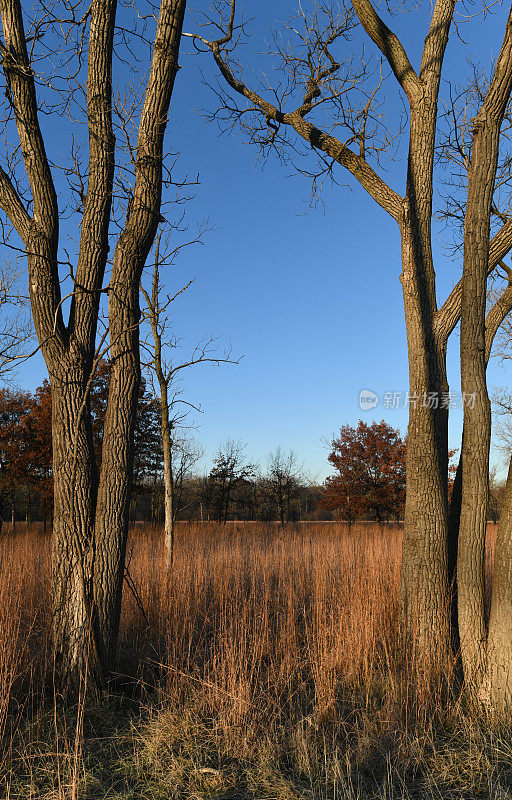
(477, 417)
(498, 686)
(493, 322)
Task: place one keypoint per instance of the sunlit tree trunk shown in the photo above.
(73, 530)
(477, 417)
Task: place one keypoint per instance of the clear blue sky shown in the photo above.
(311, 300)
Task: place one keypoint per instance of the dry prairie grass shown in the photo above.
(268, 664)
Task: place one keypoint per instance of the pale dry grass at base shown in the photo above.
(268, 664)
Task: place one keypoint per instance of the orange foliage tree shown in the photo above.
(26, 453)
(370, 472)
(14, 409)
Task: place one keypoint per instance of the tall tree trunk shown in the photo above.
(155, 310)
(73, 529)
(477, 415)
(114, 494)
(168, 476)
(424, 570)
(424, 580)
(497, 689)
(493, 320)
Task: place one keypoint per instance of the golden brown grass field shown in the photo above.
(268, 665)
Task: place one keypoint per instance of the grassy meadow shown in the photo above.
(268, 665)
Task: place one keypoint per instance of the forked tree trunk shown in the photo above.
(424, 568)
(165, 423)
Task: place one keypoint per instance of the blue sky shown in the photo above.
(311, 300)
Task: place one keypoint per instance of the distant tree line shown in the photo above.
(369, 462)
(234, 489)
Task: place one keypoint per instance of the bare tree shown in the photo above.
(63, 64)
(185, 454)
(167, 372)
(282, 481)
(502, 409)
(331, 103)
(16, 331)
(230, 471)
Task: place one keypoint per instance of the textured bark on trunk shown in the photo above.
(424, 559)
(72, 545)
(492, 324)
(424, 568)
(424, 583)
(114, 494)
(497, 688)
(424, 573)
(477, 416)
